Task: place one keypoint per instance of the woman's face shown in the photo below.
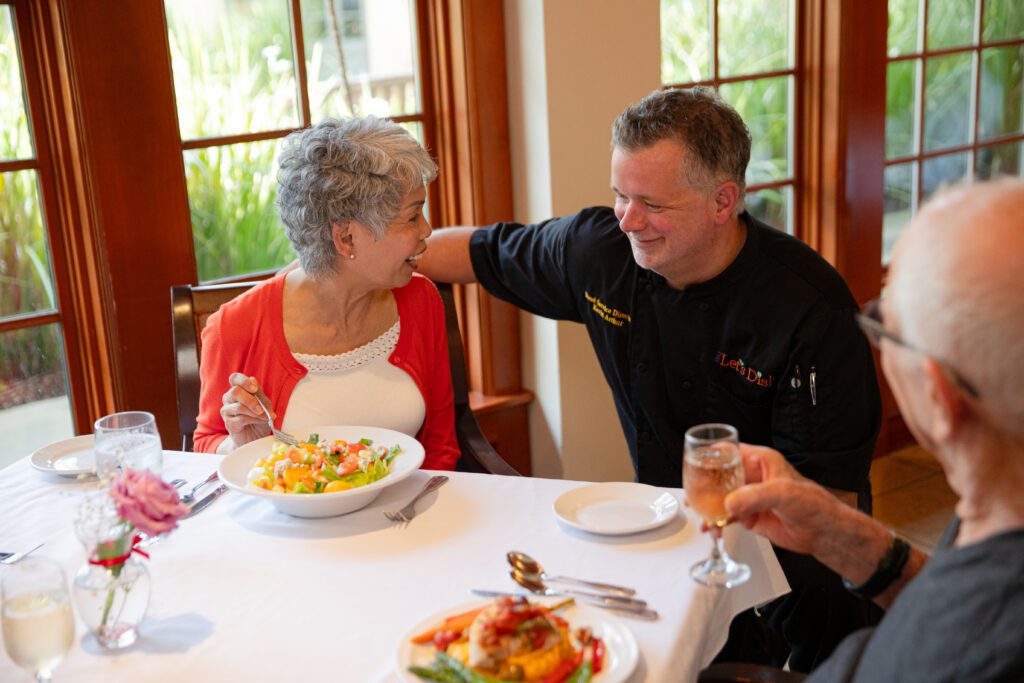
(390, 262)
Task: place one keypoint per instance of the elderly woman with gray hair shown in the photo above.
(351, 334)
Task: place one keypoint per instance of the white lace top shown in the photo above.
(358, 387)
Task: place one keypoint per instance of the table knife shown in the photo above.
(625, 609)
(203, 502)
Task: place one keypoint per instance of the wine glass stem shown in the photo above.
(717, 547)
(44, 676)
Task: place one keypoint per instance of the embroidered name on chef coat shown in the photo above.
(612, 316)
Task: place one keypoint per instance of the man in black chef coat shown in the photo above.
(699, 312)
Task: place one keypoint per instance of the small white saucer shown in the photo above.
(68, 458)
(616, 508)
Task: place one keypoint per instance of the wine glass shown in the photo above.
(712, 467)
(37, 621)
(127, 439)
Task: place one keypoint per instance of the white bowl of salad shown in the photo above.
(338, 469)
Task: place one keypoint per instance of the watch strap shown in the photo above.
(888, 570)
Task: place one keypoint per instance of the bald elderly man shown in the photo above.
(950, 326)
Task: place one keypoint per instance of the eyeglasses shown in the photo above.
(870, 321)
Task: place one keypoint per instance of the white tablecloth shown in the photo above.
(242, 592)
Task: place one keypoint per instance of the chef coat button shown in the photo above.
(687, 384)
(703, 306)
(641, 368)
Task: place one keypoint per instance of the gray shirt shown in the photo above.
(960, 619)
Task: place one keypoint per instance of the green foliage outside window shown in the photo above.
(233, 73)
(754, 37)
(26, 283)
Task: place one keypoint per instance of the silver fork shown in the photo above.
(283, 437)
(190, 496)
(405, 515)
(11, 558)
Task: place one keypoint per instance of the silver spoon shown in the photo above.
(532, 583)
(528, 565)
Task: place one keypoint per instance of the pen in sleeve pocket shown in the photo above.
(814, 387)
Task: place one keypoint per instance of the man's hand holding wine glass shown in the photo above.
(797, 514)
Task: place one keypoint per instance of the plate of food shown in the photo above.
(338, 469)
(616, 508)
(518, 639)
(69, 458)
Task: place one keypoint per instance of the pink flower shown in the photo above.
(146, 501)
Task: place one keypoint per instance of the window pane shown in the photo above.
(904, 18)
(233, 68)
(947, 109)
(950, 23)
(754, 36)
(415, 129)
(900, 184)
(900, 112)
(773, 206)
(232, 190)
(26, 280)
(1001, 75)
(943, 170)
(15, 142)
(360, 57)
(1003, 19)
(34, 405)
(685, 41)
(1000, 160)
(765, 106)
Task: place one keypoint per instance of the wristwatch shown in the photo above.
(888, 570)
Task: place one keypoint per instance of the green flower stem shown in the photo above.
(107, 550)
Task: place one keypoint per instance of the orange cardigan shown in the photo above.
(247, 335)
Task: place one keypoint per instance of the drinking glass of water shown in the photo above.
(37, 620)
(712, 467)
(126, 440)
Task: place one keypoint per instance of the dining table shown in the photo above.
(241, 591)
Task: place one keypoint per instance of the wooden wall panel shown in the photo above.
(468, 83)
(843, 44)
(122, 90)
(70, 222)
(851, 72)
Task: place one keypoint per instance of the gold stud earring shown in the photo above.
(351, 256)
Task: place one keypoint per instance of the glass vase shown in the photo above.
(112, 601)
(111, 591)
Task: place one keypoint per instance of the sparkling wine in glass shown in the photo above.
(712, 467)
(126, 440)
(37, 621)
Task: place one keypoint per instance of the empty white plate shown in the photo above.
(616, 508)
(68, 458)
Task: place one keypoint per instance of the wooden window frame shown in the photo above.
(795, 73)
(977, 46)
(104, 116)
(68, 221)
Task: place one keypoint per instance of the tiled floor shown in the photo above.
(911, 496)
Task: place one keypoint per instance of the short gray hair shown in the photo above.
(702, 122)
(955, 289)
(356, 169)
